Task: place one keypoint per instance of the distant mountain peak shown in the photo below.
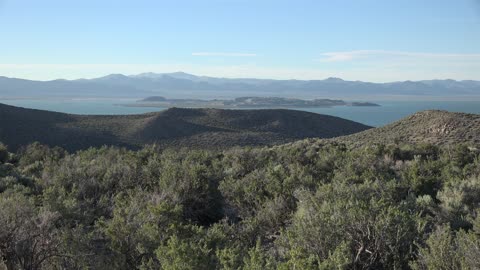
(146, 74)
(176, 75)
(182, 75)
(334, 79)
(113, 76)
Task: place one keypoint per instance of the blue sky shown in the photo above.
(356, 40)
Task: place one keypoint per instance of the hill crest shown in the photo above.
(173, 127)
(430, 126)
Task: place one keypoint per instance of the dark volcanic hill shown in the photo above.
(436, 127)
(173, 127)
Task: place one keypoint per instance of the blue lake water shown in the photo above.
(81, 106)
(388, 112)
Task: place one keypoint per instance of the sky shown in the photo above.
(367, 40)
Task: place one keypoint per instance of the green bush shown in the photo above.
(306, 205)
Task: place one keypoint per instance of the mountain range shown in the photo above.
(184, 85)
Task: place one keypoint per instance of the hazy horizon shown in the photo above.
(306, 40)
(223, 77)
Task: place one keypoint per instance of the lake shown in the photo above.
(388, 112)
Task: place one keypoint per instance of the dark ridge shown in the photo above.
(175, 127)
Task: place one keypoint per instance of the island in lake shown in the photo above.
(244, 102)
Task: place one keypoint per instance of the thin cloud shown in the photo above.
(382, 54)
(226, 54)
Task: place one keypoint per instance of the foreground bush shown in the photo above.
(307, 205)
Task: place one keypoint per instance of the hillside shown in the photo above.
(433, 126)
(297, 206)
(173, 127)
